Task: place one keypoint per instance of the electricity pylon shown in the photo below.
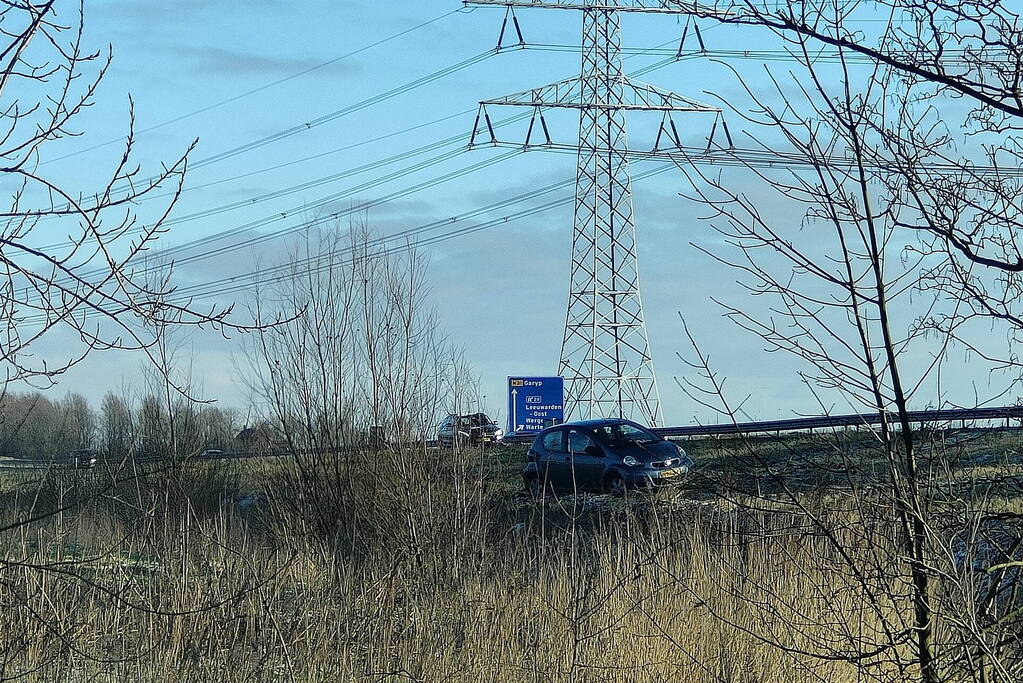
(605, 354)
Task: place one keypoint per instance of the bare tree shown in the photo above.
(79, 423)
(217, 427)
(965, 49)
(364, 352)
(961, 189)
(354, 383)
(154, 429)
(835, 291)
(82, 289)
(29, 426)
(117, 427)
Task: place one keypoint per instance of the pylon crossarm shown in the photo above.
(551, 95)
(657, 98)
(650, 6)
(684, 155)
(634, 96)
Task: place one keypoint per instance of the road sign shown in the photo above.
(535, 403)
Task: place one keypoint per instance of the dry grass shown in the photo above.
(433, 570)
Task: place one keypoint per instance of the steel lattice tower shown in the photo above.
(605, 354)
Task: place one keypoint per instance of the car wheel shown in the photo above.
(615, 485)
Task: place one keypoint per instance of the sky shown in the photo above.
(227, 73)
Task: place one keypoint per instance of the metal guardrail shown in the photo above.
(921, 417)
(827, 421)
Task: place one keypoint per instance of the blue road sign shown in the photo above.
(535, 403)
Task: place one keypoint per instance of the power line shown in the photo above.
(734, 157)
(275, 194)
(324, 200)
(781, 55)
(248, 174)
(759, 55)
(305, 126)
(359, 106)
(331, 198)
(344, 111)
(276, 216)
(337, 150)
(292, 269)
(278, 273)
(259, 89)
(767, 158)
(305, 223)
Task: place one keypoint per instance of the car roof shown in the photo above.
(591, 424)
(600, 422)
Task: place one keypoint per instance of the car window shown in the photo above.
(579, 441)
(624, 434)
(552, 441)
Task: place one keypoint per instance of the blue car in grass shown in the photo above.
(602, 456)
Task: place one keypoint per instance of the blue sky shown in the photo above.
(176, 59)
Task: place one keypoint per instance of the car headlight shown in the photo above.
(499, 434)
(630, 461)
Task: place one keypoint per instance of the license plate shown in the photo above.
(668, 474)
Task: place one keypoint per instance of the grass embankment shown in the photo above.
(429, 566)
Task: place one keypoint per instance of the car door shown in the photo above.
(541, 455)
(554, 462)
(587, 467)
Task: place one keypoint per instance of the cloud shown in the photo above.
(183, 10)
(212, 38)
(221, 61)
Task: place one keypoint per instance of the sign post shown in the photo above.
(535, 403)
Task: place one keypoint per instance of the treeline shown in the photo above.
(33, 426)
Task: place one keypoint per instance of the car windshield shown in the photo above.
(476, 420)
(624, 434)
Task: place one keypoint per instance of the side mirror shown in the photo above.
(595, 451)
